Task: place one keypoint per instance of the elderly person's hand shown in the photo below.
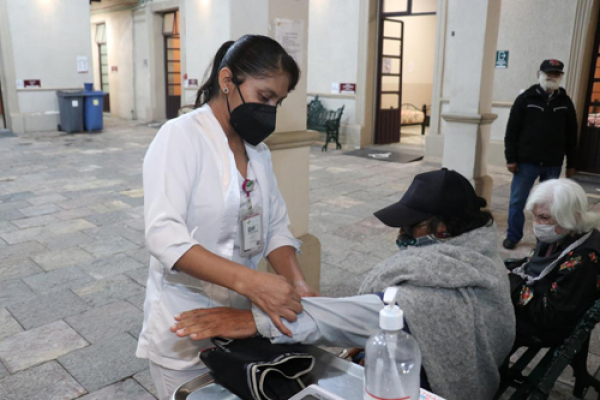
(512, 168)
(205, 323)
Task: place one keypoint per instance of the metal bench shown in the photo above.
(318, 118)
(574, 351)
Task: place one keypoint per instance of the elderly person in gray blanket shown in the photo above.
(453, 289)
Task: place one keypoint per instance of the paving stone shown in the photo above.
(36, 346)
(7, 227)
(109, 246)
(16, 196)
(109, 218)
(109, 206)
(107, 321)
(142, 255)
(137, 224)
(21, 250)
(47, 308)
(73, 213)
(126, 390)
(22, 235)
(17, 268)
(33, 222)
(8, 325)
(64, 227)
(51, 198)
(104, 363)
(117, 230)
(42, 209)
(62, 258)
(145, 380)
(13, 205)
(58, 279)
(14, 291)
(137, 300)
(68, 240)
(112, 289)
(139, 275)
(46, 382)
(10, 215)
(3, 372)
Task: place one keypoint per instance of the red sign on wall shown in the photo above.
(32, 83)
(348, 88)
(114, 68)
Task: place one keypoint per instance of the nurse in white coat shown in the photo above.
(213, 210)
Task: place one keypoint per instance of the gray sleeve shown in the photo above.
(343, 322)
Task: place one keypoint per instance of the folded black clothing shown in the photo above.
(256, 369)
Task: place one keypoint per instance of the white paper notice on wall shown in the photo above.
(290, 34)
(74, 103)
(82, 64)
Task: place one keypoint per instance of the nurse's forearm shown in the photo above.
(207, 266)
(284, 262)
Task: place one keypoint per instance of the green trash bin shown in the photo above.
(70, 104)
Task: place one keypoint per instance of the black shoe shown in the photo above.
(508, 244)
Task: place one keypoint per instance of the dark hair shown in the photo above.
(251, 55)
(458, 224)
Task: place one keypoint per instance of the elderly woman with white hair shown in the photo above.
(561, 279)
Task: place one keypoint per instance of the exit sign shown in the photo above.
(502, 59)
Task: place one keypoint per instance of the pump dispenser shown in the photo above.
(393, 358)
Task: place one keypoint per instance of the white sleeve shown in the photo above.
(278, 233)
(343, 322)
(170, 169)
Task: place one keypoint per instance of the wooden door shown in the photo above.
(172, 63)
(589, 143)
(389, 81)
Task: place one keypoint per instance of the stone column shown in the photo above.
(290, 144)
(473, 35)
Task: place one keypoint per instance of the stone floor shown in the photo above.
(73, 264)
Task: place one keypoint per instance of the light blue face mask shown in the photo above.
(404, 241)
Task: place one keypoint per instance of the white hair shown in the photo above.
(567, 202)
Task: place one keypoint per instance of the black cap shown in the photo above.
(437, 193)
(552, 66)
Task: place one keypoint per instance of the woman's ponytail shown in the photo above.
(210, 87)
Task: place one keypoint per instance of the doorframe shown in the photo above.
(177, 22)
(593, 57)
(381, 15)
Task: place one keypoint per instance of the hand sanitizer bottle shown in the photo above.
(393, 358)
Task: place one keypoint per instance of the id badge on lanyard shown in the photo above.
(251, 227)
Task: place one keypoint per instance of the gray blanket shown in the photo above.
(456, 301)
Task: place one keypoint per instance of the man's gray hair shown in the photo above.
(568, 204)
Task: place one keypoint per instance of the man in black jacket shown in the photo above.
(542, 129)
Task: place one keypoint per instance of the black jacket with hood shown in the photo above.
(541, 129)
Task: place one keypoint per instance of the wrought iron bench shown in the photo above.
(321, 119)
(574, 351)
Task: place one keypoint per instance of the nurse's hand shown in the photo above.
(274, 295)
(205, 323)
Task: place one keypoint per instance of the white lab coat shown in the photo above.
(191, 196)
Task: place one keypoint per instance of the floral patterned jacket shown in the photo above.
(548, 310)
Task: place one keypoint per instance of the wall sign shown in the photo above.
(502, 59)
(82, 64)
(348, 88)
(290, 35)
(32, 83)
(114, 68)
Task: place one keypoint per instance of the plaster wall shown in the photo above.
(418, 60)
(36, 30)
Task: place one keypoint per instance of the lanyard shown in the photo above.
(247, 187)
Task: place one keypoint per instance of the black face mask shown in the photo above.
(254, 122)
